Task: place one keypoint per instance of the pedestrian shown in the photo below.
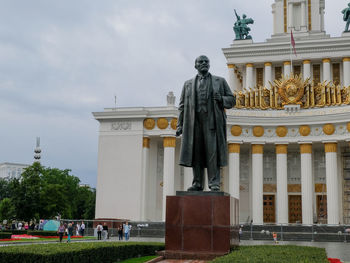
(120, 232)
(240, 232)
(105, 231)
(99, 229)
(60, 231)
(127, 229)
(274, 235)
(77, 229)
(70, 232)
(41, 225)
(82, 228)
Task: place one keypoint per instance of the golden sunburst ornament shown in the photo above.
(291, 88)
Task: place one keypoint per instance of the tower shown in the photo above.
(37, 151)
(303, 17)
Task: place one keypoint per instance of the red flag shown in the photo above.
(293, 42)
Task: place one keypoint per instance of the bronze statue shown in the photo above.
(240, 27)
(346, 17)
(202, 123)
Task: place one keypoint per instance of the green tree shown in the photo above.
(86, 200)
(7, 209)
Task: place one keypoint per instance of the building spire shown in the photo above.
(37, 151)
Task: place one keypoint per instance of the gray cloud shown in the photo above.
(61, 60)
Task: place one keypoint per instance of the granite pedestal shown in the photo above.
(200, 225)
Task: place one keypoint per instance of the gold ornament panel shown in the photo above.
(173, 123)
(149, 123)
(162, 123)
(328, 129)
(304, 130)
(294, 188)
(258, 131)
(236, 130)
(305, 148)
(330, 147)
(257, 148)
(281, 149)
(281, 131)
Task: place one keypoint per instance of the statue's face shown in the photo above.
(202, 64)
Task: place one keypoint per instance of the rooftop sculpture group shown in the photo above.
(346, 17)
(241, 28)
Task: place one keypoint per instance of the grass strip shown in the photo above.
(275, 254)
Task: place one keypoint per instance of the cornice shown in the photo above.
(335, 114)
(274, 50)
(136, 113)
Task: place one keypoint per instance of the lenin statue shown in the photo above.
(202, 123)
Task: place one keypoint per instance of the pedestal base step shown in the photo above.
(177, 254)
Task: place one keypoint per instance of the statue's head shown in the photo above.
(202, 64)
(244, 16)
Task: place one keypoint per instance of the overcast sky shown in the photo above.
(62, 60)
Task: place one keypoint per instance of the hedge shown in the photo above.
(15, 231)
(42, 233)
(5, 235)
(275, 254)
(82, 252)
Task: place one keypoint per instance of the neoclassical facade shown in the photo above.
(288, 135)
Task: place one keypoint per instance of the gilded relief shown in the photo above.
(293, 90)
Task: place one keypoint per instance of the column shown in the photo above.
(346, 72)
(257, 183)
(145, 171)
(307, 69)
(168, 170)
(307, 188)
(188, 178)
(233, 165)
(282, 182)
(303, 16)
(233, 81)
(249, 80)
(287, 68)
(268, 73)
(326, 69)
(290, 16)
(332, 183)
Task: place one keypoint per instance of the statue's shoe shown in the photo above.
(195, 188)
(215, 188)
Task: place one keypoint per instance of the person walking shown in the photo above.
(60, 231)
(82, 228)
(274, 235)
(120, 232)
(77, 229)
(70, 232)
(127, 229)
(99, 229)
(105, 231)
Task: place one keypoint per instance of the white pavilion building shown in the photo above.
(288, 135)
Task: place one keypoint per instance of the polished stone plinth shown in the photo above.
(201, 225)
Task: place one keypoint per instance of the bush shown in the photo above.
(5, 235)
(42, 233)
(16, 232)
(275, 254)
(81, 252)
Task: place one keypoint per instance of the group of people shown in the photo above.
(123, 231)
(69, 230)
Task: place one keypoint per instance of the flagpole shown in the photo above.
(290, 53)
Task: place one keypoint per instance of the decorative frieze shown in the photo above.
(281, 131)
(173, 123)
(304, 130)
(121, 125)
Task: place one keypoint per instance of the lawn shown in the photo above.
(275, 254)
(138, 260)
